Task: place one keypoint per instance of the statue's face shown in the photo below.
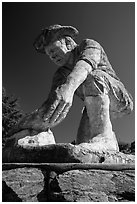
(58, 52)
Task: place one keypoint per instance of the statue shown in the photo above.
(84, 70)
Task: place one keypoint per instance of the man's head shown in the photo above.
(59, 51)
(57, 42)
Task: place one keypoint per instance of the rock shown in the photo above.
(8, 195)
(80, 185)
(62, 153)
(41, 139)
(93, 186)
(25, 183)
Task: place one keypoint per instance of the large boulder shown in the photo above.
(79, 185)
(93, 186)
(22, 184)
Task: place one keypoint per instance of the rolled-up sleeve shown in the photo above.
(90, 51)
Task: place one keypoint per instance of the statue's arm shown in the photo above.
(61, 97)
(58, 104)
(56, 107)
(59, 101)
(78, 74)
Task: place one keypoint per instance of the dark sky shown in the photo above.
(28, 74)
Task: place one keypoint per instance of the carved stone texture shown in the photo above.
(93, 186)
(63, 153)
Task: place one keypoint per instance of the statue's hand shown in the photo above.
(62, 101)
(13, 138)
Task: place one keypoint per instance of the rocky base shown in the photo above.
(62, 153)
(22, 185)
(90, 185)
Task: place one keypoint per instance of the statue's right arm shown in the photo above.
(39, 120)
(60, 99)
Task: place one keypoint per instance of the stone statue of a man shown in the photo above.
(84, 70)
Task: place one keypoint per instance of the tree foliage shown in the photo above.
(127, 148)
(11, 113)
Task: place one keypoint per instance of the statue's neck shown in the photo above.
(71, 60)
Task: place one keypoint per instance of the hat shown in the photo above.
(51, 34)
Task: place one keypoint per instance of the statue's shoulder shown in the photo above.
(89, 43)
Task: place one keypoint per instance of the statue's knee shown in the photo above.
(96, 102)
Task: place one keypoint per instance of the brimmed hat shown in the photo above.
(52, 33)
